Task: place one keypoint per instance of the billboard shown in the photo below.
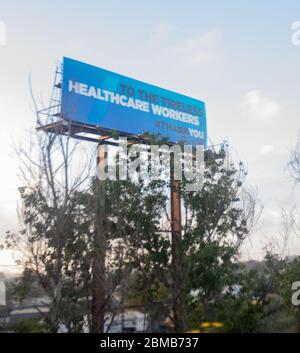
(94, 96)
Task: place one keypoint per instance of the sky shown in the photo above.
(235, 55)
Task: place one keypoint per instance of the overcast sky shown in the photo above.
(237, 56)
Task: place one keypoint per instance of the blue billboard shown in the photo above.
(94, 96)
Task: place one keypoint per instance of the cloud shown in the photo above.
(266, 149)
(167, 39)
(203, 48)
(258, 107)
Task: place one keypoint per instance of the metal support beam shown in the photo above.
(100, 245)
(179, 311)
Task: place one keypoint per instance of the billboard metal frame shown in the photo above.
(50, 120)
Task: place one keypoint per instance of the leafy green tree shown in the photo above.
(59, 229)
(217, 220)
(290, 273)
(57, 216)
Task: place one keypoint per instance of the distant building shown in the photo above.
(135, 321)
(23, 312)
(129, 321)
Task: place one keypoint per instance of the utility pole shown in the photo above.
(99, 273)
(179, 311)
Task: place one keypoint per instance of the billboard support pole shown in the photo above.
(99, 271)
(179, 312)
